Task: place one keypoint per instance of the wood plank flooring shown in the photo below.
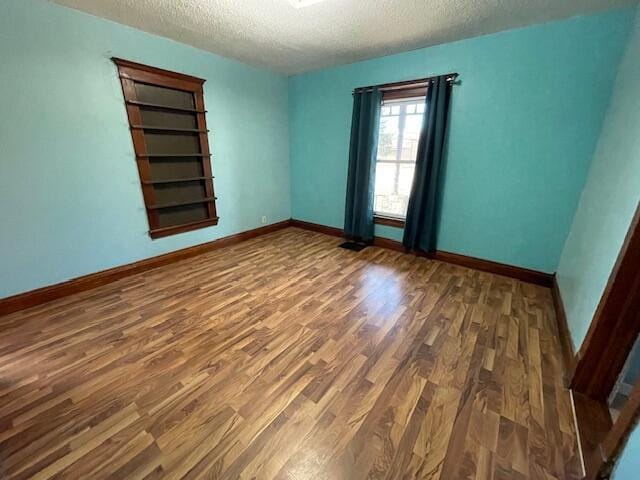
(285, 357)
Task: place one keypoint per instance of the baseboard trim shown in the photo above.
(316, 227)
(87, 282)
(389, 244)
(519, 273)
(568, 353)
(42, 295)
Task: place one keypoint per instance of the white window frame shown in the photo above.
(398, 161)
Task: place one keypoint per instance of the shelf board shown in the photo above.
(164, 107)
(161, 206)
(173, 155)
(167, 129)
(184, 227)
(176, 180)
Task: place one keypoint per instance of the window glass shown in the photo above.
(400, 127)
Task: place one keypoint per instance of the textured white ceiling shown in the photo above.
(276, 35)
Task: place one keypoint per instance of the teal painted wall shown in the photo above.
(523, 130)
(604, 214)
(628, 467)
(524, 127)
(69, 187)
(609, 200)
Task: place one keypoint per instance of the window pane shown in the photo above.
(405, 178)
(400, 127)
(391, 204)
(412, 127)
(388, 138)
(385, 175)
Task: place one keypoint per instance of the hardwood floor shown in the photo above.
(285, 357)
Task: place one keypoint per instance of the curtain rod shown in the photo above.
(407, 84)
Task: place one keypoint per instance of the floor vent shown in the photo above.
(355, 246)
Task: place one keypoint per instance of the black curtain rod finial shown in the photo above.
(453, 79)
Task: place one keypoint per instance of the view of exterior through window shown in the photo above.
(400, 125)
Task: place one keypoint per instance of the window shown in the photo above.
(169, 131)
(400, 127)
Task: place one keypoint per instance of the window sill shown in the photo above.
(388, 221)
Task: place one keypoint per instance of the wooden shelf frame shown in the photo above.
(132, 73)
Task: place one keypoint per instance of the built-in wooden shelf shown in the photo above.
(166, 115)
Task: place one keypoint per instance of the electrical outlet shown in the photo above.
(264, 219)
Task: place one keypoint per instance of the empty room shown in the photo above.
(320, 239)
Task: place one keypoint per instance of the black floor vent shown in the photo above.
(355, 246)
